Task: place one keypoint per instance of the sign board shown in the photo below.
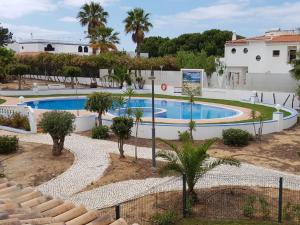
(192, 81)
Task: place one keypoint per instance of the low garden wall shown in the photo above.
(206, 131)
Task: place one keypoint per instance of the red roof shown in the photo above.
(279, 38)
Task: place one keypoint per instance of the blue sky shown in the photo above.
(56, 19)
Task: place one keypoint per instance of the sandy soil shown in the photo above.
(34, 164)
(27, 84)
(125, 169)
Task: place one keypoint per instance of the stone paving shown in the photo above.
(92, 158)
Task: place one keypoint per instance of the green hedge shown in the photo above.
(8, 144)
(236, 137)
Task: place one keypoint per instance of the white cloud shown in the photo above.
(68, 19)
(11, 9)
(234, 12)
(78, 3)
(24, 32)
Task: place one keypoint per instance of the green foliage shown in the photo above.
(121, 75)
(137, 22)
(16, 120)
(118, 103)
(291, 212)
(296, 67)
(71, 71)
(138, 114)
(121, 127)
(100, 132)
(184, 136)
(8, 144)
(264, 208)
(58, 124)
(211, 41)
(99, 102)
(236, 137)
(200, 60)
(165, 218)
(298, 91)
(191, 160)
(249, 207)
(5, 36)
(17, 69)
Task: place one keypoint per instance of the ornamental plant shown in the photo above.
(99, 102)
(121, 127)
(58, 124)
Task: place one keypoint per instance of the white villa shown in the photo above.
(40, 45)
(250, 62)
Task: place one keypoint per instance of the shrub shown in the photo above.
(165, 218)
(236, 137)
(264, 208)
(100, 132)
(8, 144)
(184, 136)
(122, 129)
(16, 120)
(249, 207)
(58, 124)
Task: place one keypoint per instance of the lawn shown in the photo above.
(194, 221)
(265, 111)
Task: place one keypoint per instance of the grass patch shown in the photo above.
(2, 101)
(193, 221)
(265, 111)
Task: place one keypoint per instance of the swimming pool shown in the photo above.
(170, 109)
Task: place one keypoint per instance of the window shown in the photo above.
(80, 49)
(86, 49)
(49, 48)
(245, 50)
(276, 53)
(233, 51)
(258, 58)
(292, 55)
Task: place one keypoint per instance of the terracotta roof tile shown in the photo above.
(279, 38)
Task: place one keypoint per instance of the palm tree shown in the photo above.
(191, 160)
(92, 15)
(119, 102)
(137, 23)
(192, 124)
(138, 114)
(104, 38)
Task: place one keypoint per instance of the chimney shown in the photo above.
(233, 36)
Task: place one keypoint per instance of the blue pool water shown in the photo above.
(163, 108)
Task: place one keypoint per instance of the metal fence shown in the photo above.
(218, 197)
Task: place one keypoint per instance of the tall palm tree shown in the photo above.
(138, 114)
(92, 15)
(191, 160)
(137, 23)
(104, 38)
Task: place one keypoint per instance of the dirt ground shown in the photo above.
(125, 169)
(34, 164)
(276, 151)
(27, 84)
(224, 202)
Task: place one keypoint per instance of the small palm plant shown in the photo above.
(191, 160)
(128, 93)
(118, 103)
(138, 114)
(192, 123)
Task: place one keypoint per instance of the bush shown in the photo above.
(236, 137)
(100, 132)
(249, 207)
(165, 218)
(122, 129)
(16, 120)
(8, 144)
(184, 136)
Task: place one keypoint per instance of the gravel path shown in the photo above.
(92, 158)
